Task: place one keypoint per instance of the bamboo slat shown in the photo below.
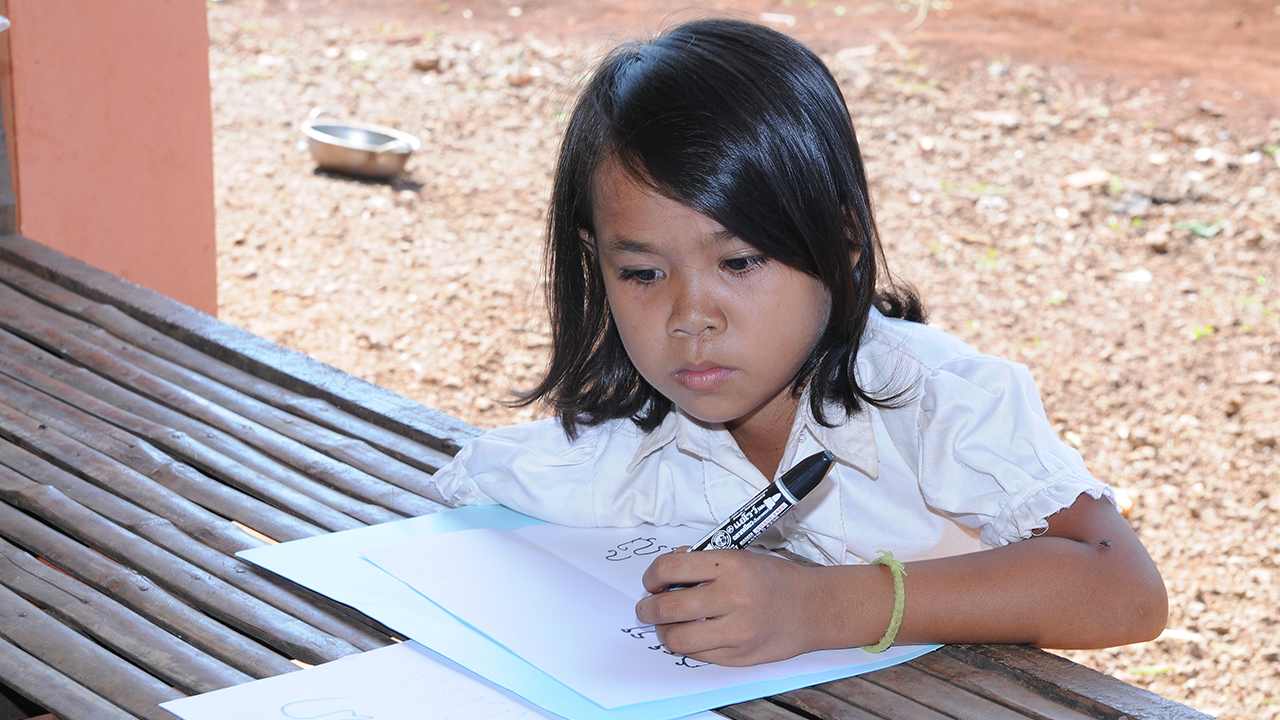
(53, 690)
(97, 669)
(761, 710)
(1055, 676)
(287, 368)
(148, 338)
(141, 457)
(202, 590)
(1002, 687)
(324, 413)
(267, 403)
(121, 480)
(44, 326)
(55, 394)
(320, 613)
(142, 595)
(812, 702)
(940, 695)
(187, 436)
(879, 701)
(139, 640)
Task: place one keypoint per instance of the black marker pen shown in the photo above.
(772, 503)
(764, 509)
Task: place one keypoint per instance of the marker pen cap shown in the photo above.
(806, 475)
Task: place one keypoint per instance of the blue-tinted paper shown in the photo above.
(333, 566)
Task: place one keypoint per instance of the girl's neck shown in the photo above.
(763, 433)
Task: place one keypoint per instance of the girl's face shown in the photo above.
(705, 317)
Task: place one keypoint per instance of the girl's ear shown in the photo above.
(588, 242)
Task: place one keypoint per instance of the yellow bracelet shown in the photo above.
(887, 559)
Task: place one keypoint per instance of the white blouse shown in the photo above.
(967, 461)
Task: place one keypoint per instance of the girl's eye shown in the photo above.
(742, 265)
(643, 277)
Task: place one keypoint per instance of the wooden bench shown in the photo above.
(143, 443)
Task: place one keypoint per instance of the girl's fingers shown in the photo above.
(692, 639)
(711, 641)
(680, 568)
(675, 606)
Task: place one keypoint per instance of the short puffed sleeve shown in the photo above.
(535, 469)
(989, 458)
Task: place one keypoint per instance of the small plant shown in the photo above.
(1199, 228)
(989, 262)
(986, 188)
(1199, 332)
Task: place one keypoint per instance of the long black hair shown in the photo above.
(748, 127)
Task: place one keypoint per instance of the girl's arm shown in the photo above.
(1087, 582)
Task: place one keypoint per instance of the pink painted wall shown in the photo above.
(108, 115)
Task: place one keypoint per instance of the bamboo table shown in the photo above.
(143, 443)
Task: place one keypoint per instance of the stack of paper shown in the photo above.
(540, 615)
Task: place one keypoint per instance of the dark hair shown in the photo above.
(748, 127)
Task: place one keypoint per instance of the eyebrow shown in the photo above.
(639, 247)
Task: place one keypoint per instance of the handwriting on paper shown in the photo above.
(641, 632)
(639, 547)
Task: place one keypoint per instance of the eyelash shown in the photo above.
(634, 276)
(749, 263)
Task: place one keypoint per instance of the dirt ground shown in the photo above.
(1090, 187)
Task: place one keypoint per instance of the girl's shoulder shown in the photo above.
(547, 438)
(536, 469)
(896, 340)
(918, 361)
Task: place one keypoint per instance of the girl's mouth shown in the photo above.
(703, 379)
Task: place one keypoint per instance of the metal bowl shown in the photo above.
(358, 148)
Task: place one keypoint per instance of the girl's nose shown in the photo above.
(694, 311)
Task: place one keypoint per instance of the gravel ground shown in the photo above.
(1123, 243)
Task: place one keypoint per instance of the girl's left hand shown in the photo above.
(749, 608)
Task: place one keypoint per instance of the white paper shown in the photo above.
(331, 564)
(395, 682)
(539, 592)
(617, 556)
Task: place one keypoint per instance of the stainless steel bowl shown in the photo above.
(357, 148)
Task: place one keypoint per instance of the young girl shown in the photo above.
(712, 265)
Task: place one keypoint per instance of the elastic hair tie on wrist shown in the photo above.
(887, 559)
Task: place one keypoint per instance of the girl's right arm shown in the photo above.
(1086, 582)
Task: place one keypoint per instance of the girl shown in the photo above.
(713, 265)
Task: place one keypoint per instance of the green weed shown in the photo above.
(1199, 228)
(1199, 332)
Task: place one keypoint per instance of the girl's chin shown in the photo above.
(706, 414)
